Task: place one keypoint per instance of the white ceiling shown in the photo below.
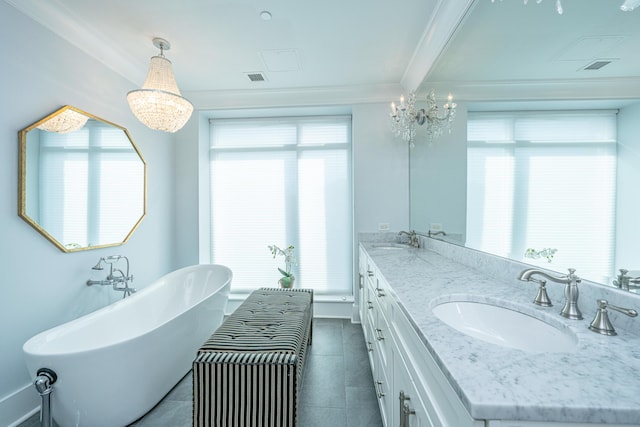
(507, 49)
(215, 43)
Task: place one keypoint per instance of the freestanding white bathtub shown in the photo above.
(115, 364)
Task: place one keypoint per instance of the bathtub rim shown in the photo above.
(34, 345)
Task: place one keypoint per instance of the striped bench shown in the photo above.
(249, 372)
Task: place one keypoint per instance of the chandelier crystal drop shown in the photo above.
(405, 117)
(159, 104)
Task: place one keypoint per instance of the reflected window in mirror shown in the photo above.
(84, 187)
(539, 181)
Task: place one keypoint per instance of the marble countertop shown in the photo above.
(599, 382)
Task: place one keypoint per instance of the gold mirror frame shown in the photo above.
(68, 127)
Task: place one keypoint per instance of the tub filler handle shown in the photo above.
(119, 282)
(45, 378)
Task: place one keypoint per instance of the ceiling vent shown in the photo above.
(256, 76)
(598, 64)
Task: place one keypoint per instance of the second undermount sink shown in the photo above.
(505, 327)
(389, 246)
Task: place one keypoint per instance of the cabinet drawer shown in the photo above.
(381, 335)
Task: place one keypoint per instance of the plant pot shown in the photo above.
(287, 282)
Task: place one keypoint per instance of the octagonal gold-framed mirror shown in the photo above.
(82, 181)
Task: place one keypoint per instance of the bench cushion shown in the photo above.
(268, 320)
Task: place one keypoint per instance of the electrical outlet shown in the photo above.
(435, 226)
(383, 226)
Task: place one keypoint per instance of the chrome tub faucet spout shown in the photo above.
(571, 293)
(116, 278)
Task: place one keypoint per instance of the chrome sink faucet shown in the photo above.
(570, 309)
(116, 277)
(625, 282)
(414, 240)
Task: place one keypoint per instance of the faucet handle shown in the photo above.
(542, 298)
(601, 323)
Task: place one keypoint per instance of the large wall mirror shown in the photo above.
(82, 180)
(524, 69)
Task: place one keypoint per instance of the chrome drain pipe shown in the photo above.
(44, 384)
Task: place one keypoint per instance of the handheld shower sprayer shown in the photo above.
(122, 277)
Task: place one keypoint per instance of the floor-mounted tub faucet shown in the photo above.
(116, 277)
(570, 309)
(45, 378)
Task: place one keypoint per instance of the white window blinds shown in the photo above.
(544, 180)
(283, 181)
(81, 177)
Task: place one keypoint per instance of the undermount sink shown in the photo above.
(505, 327)
(389, 246)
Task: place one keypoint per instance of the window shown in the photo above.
(283, 181)
(544, 180)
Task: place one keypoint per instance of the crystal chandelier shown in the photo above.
(68, 120)
(626, 6)
(159, 104)
(405, 117)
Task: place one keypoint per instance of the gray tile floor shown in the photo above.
(337, 390)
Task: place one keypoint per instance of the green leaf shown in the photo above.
(284, 273)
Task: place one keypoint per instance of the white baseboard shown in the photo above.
(19, 406)
(333, 309)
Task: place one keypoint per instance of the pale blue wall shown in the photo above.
(380, 170)
(438, 177)
(42, 286)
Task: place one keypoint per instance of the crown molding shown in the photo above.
(623, 88)
(54, 16)
(300, 97)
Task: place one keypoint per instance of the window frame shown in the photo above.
(298, 149)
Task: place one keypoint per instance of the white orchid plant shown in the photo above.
(289, 260)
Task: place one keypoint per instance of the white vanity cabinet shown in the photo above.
(376, 333)
(424, 371)
(411, 389)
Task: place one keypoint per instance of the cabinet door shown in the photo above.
(409, 410)
(384, 391)
(439, 402)
(381, 335)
